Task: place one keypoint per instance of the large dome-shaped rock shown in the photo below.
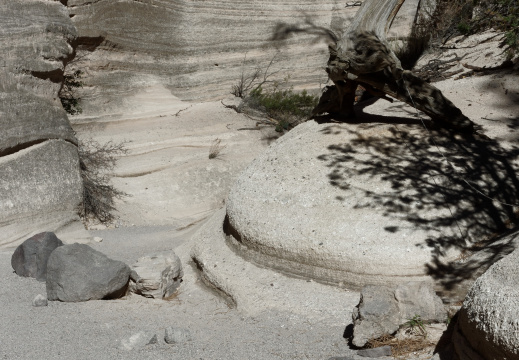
(40, 186)
(488, 325)
(77, 272)
(372, 203)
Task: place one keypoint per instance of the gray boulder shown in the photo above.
(30, 258)
(156, 276)
(488, 323)
(358, 207)
(382, 309)
(79, 273)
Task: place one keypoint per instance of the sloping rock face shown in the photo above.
(39, 166)
(197, 49)
(371, 203)
(487, 326)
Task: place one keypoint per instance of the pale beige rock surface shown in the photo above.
(488, 326)
(196, 49)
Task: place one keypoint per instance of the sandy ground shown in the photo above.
(174, 187)
(94, 329)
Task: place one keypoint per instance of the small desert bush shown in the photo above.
(216, 149)
(96, 162)
(68, 93)
(286, 108)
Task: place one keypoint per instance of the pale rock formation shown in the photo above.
(467, 54)
(358, 204)
(488, 326)
(194, 48)
(156, 276)
(39, 166)
(198, 49)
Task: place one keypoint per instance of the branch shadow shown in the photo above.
(450, 187)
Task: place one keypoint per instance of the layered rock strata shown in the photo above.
(197, 49)
(39, 166)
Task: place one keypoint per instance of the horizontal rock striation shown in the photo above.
(39, 165)
(195, 48)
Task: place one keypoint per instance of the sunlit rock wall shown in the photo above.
(197, 49)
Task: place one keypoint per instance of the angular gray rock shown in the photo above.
(39, 300)
(382, 309)
(156, 276)
(139, 340)
(488, 323)
(30, 258)
(79, 273)
(175, 335)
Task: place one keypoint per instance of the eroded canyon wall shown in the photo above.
(196, 49)
(40, 184)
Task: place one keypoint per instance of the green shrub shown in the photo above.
(464, 28)
(286, 107)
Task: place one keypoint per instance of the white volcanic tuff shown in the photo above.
(488, 326)
(195, 48)
(355, 204)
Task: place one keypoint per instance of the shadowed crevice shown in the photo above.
(14, 149)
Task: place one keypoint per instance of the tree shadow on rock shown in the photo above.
(450, 187)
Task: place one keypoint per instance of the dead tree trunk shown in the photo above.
(362, 56)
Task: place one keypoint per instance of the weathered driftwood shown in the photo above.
(362, 56)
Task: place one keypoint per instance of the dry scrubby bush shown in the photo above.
(68, 93)
(96, 162)
(450, 18)
(435, 25)
(216, 149)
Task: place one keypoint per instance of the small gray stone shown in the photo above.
(39, 300)
(375, 352)
(139, 340)
(341, 358)
(177, 335)
(382, 309)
